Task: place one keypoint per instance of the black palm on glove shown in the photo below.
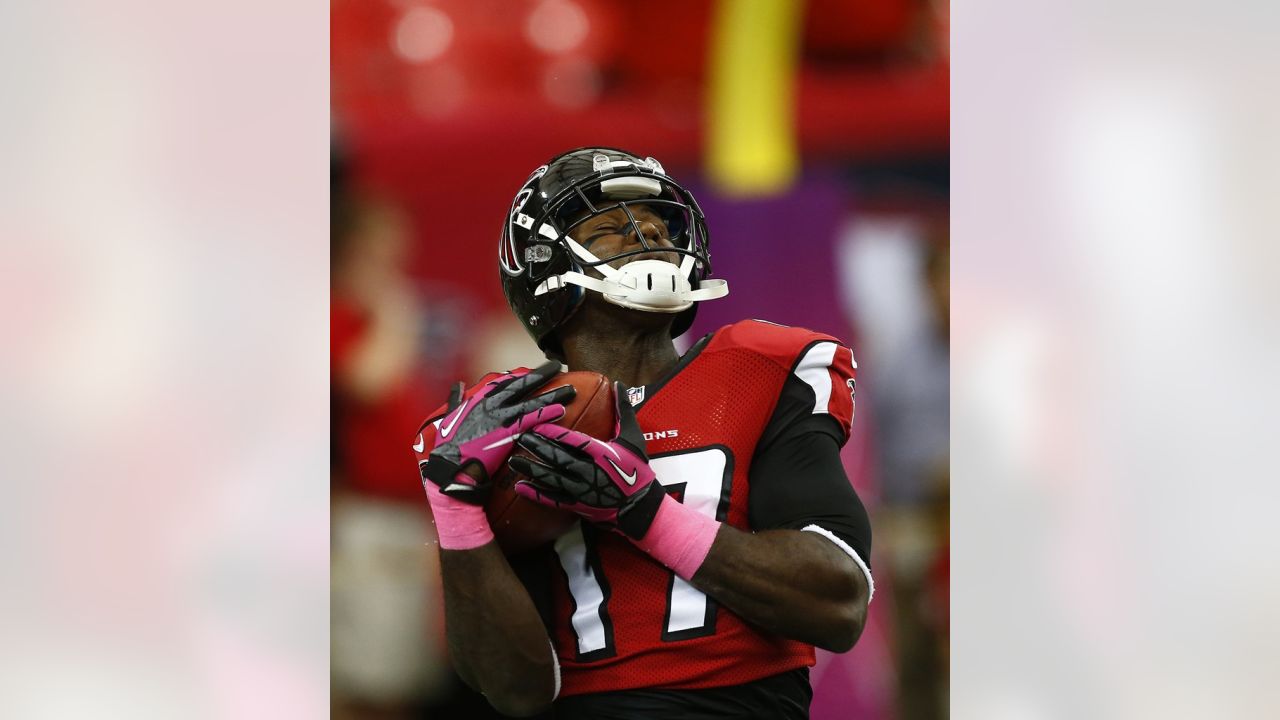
(609, 483)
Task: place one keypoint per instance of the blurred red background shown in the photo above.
(437, 100)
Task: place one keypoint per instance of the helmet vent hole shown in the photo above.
(650, 276)
(673, 283)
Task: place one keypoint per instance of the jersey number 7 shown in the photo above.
(704, 476)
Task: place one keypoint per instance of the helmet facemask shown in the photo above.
(545, 273)
(649, 284)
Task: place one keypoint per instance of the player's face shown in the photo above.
(612, 232)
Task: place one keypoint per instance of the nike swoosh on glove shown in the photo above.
(609, 483)
(480, 431)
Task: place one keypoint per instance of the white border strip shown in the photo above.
(815, 370)
(871, 583)
(555, 664)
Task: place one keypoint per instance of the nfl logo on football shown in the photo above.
(635, 395)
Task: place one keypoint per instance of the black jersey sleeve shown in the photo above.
(797, 479)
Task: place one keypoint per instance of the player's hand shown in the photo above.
(609, 483)
(476, 435)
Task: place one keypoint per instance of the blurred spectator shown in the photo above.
(899, 265)
(899, 262)
(375, 325)
(387, 653)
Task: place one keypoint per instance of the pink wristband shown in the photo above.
(680, 537)
(459, 525)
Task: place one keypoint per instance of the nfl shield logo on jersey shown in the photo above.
(635, 395)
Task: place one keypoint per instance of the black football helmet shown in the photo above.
(544, 271)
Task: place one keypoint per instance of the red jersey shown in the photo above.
(620, 619)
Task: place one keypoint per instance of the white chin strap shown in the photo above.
(652, 285)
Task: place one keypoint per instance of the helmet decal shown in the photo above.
(508, 255)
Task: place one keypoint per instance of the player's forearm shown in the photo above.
(496, 638)
(793, 583)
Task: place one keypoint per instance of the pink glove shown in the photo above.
(479, 431)
(611, 484)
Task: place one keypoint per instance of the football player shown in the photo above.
(720, 540)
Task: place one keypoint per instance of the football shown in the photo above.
(521, 525)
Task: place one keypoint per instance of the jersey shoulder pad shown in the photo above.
(781, 343)
(822, 369)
